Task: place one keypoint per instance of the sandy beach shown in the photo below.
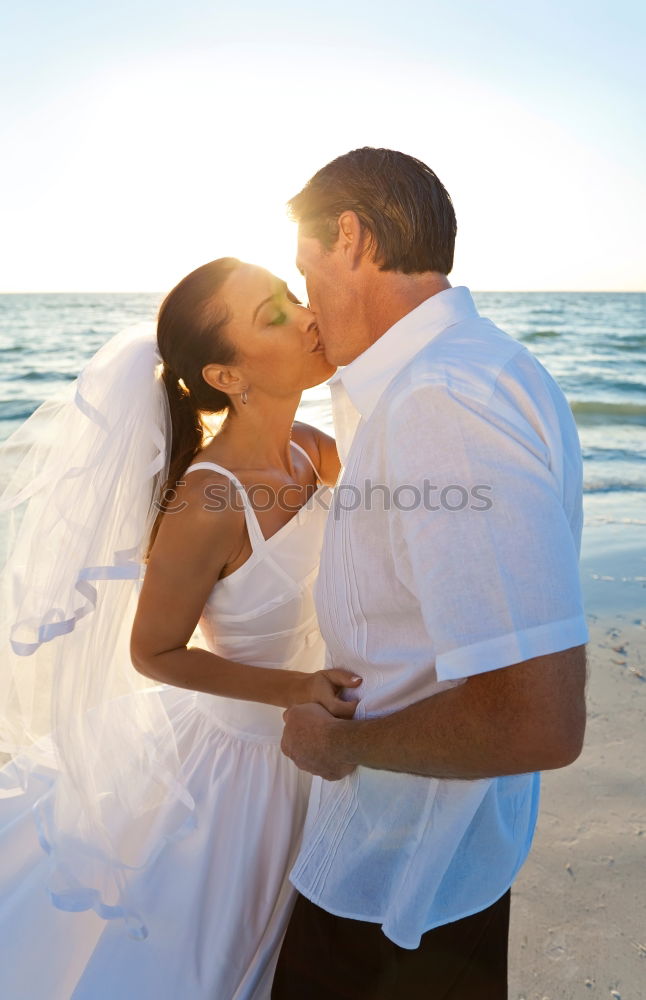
(579, 904)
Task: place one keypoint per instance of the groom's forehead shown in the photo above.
(300, 249)
(308, 249)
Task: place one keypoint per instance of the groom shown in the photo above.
(449, 582)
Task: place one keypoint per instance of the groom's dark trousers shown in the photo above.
(326, 957)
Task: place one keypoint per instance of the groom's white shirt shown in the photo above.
(416, 599)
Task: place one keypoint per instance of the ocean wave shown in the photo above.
(42, 376)
(592, 410)
(539, 334)
(608, 519)
(638, 345)
(613, 455)
(16, 409)
(612, 486)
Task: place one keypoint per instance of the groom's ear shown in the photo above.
(352, 239)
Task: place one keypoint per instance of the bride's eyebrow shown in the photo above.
(281, 288)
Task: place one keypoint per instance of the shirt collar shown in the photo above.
(366, 378)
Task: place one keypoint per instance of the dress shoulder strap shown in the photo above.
(303, 452)
(253, 526)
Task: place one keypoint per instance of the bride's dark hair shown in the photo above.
(190, 335)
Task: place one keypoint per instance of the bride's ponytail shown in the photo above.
(187, 427)
(190, 335)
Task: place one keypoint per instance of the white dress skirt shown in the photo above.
(215, 902)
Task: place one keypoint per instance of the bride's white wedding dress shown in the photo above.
(216, 901)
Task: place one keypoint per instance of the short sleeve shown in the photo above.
(479, 533)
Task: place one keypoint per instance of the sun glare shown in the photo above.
(200, 159)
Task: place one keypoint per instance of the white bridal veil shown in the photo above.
(82, 477)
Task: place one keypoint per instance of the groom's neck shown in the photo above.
(392, 295)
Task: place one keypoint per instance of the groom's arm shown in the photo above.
(522, 718)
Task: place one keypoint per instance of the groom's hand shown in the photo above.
(310, 740)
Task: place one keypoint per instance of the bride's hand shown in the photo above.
(324, 688)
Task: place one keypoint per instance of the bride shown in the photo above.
(154, 803)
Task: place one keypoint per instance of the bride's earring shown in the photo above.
(243, 397)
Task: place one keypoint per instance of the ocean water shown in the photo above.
(594, 344)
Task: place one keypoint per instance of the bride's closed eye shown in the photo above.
(278, 320)
(281, 317)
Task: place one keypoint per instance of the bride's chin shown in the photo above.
(322, 374)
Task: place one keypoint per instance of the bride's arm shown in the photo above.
(192, 547)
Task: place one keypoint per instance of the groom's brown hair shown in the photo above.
(402, 204)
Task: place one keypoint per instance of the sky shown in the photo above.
(141, 139)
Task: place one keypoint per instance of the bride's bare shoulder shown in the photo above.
(204, 501)
(306, 436)
(320, 447)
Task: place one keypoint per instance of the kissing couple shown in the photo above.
(265, 742)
